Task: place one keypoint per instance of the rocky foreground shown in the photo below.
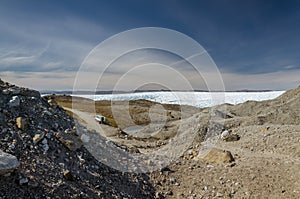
(41, 154)
(250, 150)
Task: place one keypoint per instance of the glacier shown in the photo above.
(198, 99)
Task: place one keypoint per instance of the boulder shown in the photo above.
(8, 163)
(214, 155)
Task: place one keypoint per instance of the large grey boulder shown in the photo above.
(8, 162)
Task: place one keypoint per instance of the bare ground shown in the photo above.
(267, 155)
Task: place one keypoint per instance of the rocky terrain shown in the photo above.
(249, 150)
(41, 154)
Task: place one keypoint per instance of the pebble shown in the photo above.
(68, 175)
(219, 194)
(169, 193)
(172, 180)
(23, 181)
(37, 138)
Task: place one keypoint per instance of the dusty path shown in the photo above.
(111, 133)
(88, 119)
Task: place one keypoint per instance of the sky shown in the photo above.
(254, 44)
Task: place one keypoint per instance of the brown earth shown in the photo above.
(267, 155)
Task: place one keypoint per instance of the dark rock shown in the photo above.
(232, 137)
(23, 181)
(71, 141)
(68, 175)
(8, 163)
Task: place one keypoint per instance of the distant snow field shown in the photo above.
(198, 99)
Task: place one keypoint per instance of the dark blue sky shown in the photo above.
(244, 38)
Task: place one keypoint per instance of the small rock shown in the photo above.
(14, 91)
(214, 155)
(158, 195)
(232, 137)
(190, 152)
(45, 145)
(15, 101)
(219, 194)
(172, 180)
(12, 146)
(38, 137)
(85, 138)
(169, 193)
(68, 175)
(5, 91)
(70, 141)
(225, 134)
(231, 164)
(44, 141)
(22, 123)
(23, 181)
(33, 184)
(52, 103)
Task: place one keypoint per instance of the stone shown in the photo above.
(15, 101)
(14, 91)
(52, 103)
(45, 145)
(225, 134)
(22, 123)
(190, 152)
(5, 91)
(8, 163)
(23, 181)
(232, 137)
(70, 141)
(169, 193)
(68, 175)
(38, 137)
(214, 155)
(172, 180)
(33, 184)
(85, 138)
